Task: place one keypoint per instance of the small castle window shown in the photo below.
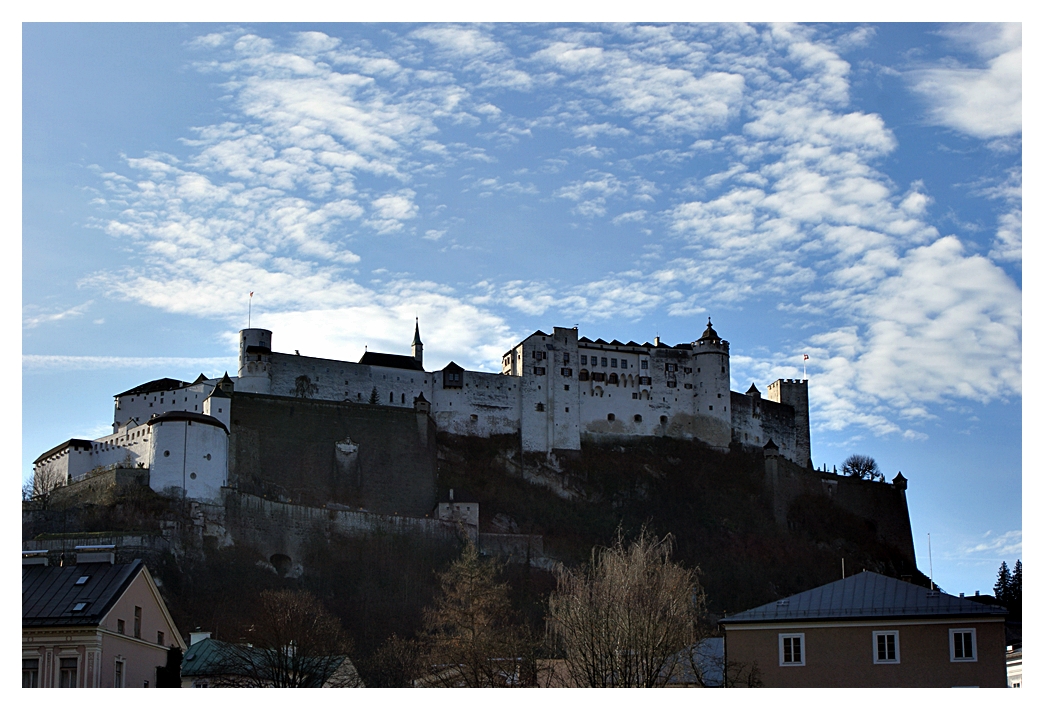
(663, 419)
(567, 410)
(623, 364)
(611, 417)
(565, 358)
(193, 475)
(637, 417)
(540, 406)
(566, 387)
(166, 453)
(474, 417)
(605, 362)
(645, 364)
(583, 359)
(723, 369)
(710, 406)
(612, 362)
(634, 395)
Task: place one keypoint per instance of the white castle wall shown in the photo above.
(189, 456)
(140, 407)
(485, 405)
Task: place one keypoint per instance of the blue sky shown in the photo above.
(853, 192)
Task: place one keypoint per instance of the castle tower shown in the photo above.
(417, 348)
(795, 393)
(712, 394)
(255, 361)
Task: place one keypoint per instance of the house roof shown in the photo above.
(210, 657)
(179, 416)
(866, 595)
(165, 384)
(49, 594)
(401, 362)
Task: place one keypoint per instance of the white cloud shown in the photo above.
(984, 102)
(39, 318)
(91, 362)
(1004, 546)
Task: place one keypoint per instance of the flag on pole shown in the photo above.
(806, 357)
(252, 295)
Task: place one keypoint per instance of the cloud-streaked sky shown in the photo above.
(853, 192)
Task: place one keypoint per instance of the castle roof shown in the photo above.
(165, 384)
(416, 333)
(70, 444)
(201, 378)
(453, 367)
(866, 595)
(218, 392)
(226, 380)
(753, 389)
(401, 362)
(709, 334)
(177, 416)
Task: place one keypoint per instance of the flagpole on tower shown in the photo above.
(804, 368)
(250, 305)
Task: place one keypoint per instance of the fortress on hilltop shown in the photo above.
(361, 431)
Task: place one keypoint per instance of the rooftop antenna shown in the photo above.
(250, 304)
(931, 573)
(842, 568)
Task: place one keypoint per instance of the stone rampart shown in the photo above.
(309, 451)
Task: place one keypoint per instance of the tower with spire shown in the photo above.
(417, 347)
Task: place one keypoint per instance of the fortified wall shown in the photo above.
(882, 504)
(310, 451)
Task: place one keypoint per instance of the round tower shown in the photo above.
(255, 361)
(711, 398)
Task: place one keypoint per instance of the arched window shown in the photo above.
(584, 375)
(404, 398)
(614, 379)
(611, 417)
(663, 419)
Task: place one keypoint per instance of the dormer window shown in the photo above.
(83, 580)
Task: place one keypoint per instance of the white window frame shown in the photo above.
(878, 634)
(801, 638)
(974, 643)
(39, 668)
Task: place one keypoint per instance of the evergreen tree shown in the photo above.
(373, 395)
(1015, 591)
(1002, 589)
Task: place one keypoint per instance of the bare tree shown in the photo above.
(45, 479)
(469, 634)
(626, 619)
(860, 466)
(293, 643)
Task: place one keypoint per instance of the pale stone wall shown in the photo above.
(190, 456)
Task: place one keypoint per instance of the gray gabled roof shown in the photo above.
(50, 594)
(866, 595)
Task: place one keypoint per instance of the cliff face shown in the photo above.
(755, 536)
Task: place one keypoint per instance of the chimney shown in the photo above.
(34, 557)
(86, 554)
(197, 636)
(656, 341)
(451, 495)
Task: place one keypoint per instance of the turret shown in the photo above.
(417, 348)
(255, 360)
(712, 394)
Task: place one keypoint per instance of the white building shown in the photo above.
(555, 390)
